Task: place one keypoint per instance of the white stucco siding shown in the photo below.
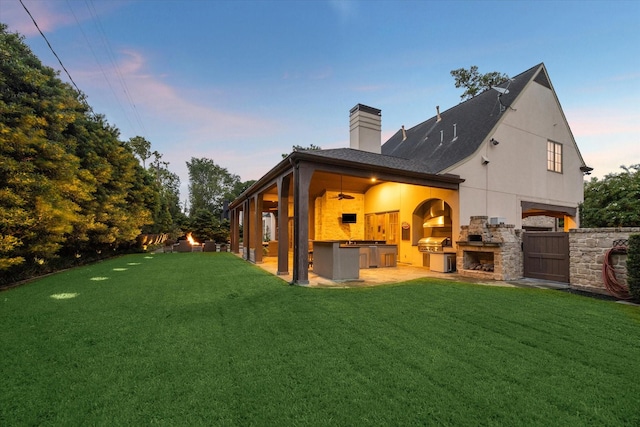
(517, 168)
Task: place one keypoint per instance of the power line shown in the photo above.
(104, 74)
(53, 51)
(111, 56)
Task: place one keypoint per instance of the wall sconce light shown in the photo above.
(485, 161)
(494, 142)
(586, 170)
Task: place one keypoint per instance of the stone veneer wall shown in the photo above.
(508, 262)
(587, 250)
(328, 217)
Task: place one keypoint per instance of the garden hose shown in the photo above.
(612, 284)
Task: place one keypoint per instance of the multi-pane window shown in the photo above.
(554, 156)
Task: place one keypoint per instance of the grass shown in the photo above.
(207, 339)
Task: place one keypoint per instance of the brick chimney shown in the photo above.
(365, 124)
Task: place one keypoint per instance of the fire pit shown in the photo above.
(189, 245)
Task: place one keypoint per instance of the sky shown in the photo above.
(241, 82)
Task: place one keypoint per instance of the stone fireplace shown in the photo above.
(489, 250)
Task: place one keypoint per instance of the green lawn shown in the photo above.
(208, 339)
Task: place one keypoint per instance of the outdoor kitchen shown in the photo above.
(489, 249)
(342, 260)
(434, 219)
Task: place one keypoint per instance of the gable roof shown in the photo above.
(462, 129)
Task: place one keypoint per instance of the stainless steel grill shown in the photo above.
(432, 244)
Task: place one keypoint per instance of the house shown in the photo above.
(504, 155)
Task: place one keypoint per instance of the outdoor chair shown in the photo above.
(209, 246)
(184, 246)
(169, 245)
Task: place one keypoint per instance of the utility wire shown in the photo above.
(95, 56)
(54, 52)
(111, 56)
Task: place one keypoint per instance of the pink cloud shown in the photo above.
(46, 14)
(169, 104)
(592, 122)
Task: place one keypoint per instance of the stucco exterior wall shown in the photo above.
(587, 251)
(517, 168)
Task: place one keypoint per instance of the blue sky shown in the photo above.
(240, 82)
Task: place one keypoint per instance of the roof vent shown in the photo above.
(404, 133)
(438, 118)
(455, 133)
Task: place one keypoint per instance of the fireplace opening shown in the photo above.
(479, 261)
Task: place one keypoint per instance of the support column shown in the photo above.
(283, 224)
(257, 201)
(246, 229)
(302, 174)
(235, 230)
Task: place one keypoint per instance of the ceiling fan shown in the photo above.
(341, 195)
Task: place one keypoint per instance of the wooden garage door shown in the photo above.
(546, 256)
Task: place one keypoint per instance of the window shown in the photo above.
(554, 156)
(382, 226)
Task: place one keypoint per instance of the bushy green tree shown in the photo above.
(209, 185)
(475, 83)
(206, 226)
(141, 148)
(613, 201)
(41, 186)
(68, 185)
(167, 215)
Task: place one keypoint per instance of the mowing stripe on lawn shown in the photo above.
(206, 338)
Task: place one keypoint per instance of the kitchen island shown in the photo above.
(342, 260)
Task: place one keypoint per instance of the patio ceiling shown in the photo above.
(325, 181)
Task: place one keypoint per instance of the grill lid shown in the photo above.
(432, 241)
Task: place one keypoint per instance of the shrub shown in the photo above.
(633, 266)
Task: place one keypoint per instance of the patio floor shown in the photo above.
(375, 276)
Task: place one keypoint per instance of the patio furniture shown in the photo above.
(209, 246)
(169, 246)
(183, 246)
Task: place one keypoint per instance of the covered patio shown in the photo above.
(309, 191)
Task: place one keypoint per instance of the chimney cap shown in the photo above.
(366, 109)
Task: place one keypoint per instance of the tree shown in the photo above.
(613, 201)
(68, 185)
(167, 211)
(301, 148)
(41, 184)
(209, 185)
(142, 148)
(474, 82)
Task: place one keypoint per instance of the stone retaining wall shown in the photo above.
(588, 248)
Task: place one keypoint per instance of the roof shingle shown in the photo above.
(441, 144)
